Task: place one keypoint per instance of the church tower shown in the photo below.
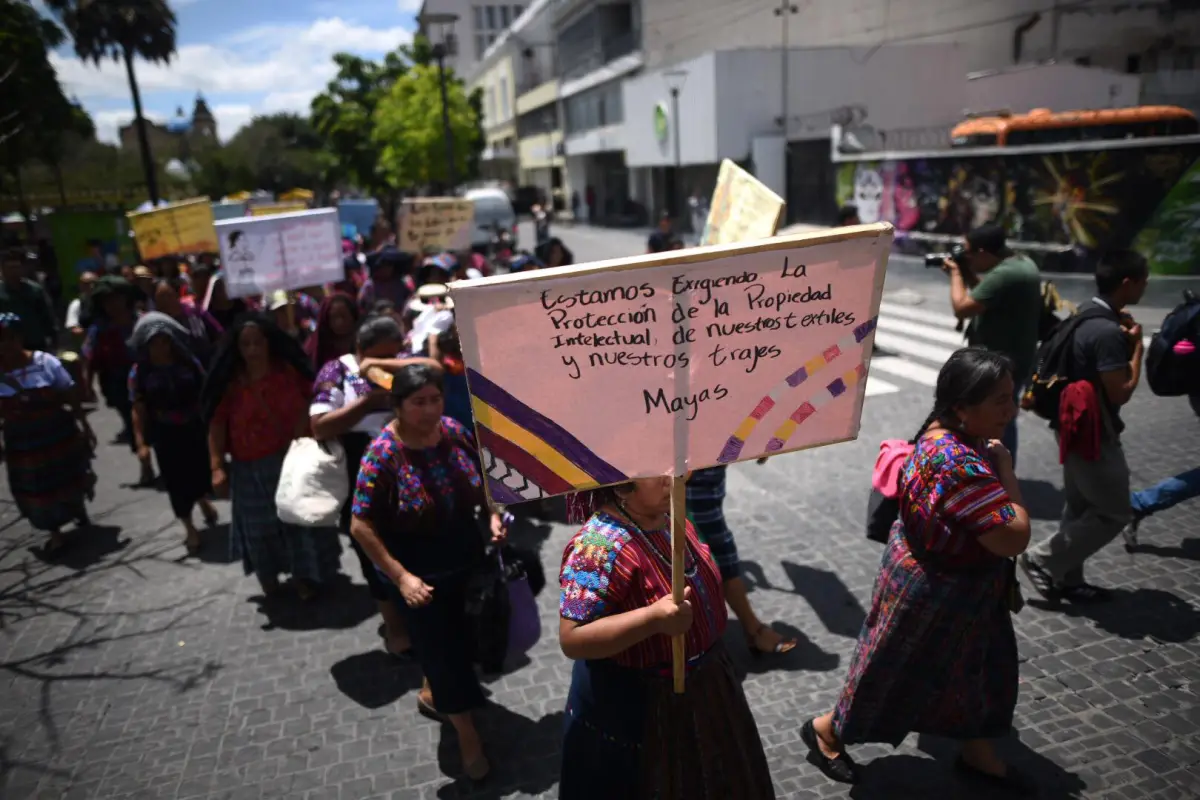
(204, 124)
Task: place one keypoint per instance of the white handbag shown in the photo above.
(313, 484)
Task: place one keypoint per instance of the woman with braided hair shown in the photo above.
(937, 653)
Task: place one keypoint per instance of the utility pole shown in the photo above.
(785, 10)
(675, 79)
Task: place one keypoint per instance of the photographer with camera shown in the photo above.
(999, 293)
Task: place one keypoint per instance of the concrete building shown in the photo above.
(541, 153)
(476, 28)
(494, 76)
(598, 44)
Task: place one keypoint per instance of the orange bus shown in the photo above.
(1042, 126)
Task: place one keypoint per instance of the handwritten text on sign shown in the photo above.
(590, 375)
(438, 223)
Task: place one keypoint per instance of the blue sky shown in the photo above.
(247, 57)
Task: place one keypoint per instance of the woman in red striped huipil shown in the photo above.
(626, 734)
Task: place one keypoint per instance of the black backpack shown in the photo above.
(1053, 368)
(1172, 374)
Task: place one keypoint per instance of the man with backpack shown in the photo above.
(1102, 354)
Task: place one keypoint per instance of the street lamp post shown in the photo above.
(675, 79)
(440, 51)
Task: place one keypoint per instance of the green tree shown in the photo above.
(65, 129)
(123, 30)
(31, 99)
(408, 129)
(275, 152)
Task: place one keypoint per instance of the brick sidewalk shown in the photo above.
(130, 672)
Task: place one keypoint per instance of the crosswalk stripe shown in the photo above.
(907, 347)
(903, 368)
(927, 332)
(887, 309)
(878, 386)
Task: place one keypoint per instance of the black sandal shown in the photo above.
(1041, 579)
(841, 769)
(1012, 781)
(1085, 593)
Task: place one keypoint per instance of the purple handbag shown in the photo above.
(524, 623)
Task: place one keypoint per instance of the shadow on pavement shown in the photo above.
(375, 679)
(806, 657)
(214, 544)
(1188, 548)
(1136, 614)
(835, 605)
(524, 755)
(339, 606)
(85, 547)
(1043, 499)
(1053, 780)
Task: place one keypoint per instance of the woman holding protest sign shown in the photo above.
(626, 733)
(937, 653)
(418, 507)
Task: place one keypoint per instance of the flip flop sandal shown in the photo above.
(1041, 580)
(781, 647)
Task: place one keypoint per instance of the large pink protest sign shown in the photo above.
(591, 375)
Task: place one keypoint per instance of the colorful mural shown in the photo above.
(1085, 200)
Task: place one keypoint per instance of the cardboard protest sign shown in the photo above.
(283, 251)
(185, 227)
(271, 209)
(443, 223)
(591, 375)
(742, 208)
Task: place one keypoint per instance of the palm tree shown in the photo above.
(123, 30)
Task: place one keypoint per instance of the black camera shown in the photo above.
(956, 254)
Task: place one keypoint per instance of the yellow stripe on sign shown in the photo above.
(505, 428)
(850, 378)
(815, 364)
(786, 430)
(746, 428)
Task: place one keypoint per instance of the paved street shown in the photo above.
(128, 671)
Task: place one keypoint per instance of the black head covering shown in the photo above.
(109, 285)
(403, 262)
(228, 359)
(542, 251)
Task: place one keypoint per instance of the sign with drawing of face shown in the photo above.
(283, 251)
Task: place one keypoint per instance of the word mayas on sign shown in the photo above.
(656, 365)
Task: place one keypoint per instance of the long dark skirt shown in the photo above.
(49, 466)
(936, 655)
(355, 444)
(182, 454)
(440, 638)
(626, 734)
(266, 546)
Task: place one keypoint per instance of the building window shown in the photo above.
(517, 11)
(481, 45)
(491, 18)
(503, 16)
(478, 18)
(503, 98)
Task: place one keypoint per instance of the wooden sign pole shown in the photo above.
(678, 551)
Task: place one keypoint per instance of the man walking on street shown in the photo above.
(28, 300)
(1165, 494)
(1000, 292)
(1106, 354)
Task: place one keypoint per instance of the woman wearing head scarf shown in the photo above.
(164, 388)
(224, 309)
(255, 401)
(107, 357)
(204, 332)
(47, 448)
(553, 253)
(390, 279)
(334, 337)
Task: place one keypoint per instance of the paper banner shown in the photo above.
(185, 227)
(442, 223)
(284, 251)
(743, 209)
(271, 209)
(656, 365)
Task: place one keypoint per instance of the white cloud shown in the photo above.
(410, 6)
(281, 68)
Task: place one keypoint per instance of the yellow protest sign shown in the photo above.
(276, 208)
(743, 209)
(442, 223)
(184, 227)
